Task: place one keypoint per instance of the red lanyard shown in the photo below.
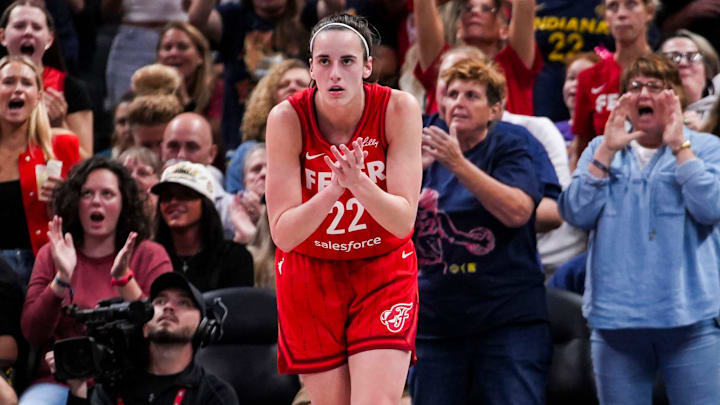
(178, 397)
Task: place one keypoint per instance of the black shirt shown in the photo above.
(76, 95)
(15, 233)
(145, 389)
(228, 264)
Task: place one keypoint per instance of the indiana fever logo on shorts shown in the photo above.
(394, 318)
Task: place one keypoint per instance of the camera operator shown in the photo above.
(170, 376)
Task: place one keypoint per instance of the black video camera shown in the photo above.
(114, 345)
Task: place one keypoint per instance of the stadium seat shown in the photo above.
(246, 355)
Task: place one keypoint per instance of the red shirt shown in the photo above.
(53, 79)
(348, 231)
(519, 80)
(597, 92)
(66, 149)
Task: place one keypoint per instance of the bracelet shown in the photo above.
(122, 282)
(65, 285)
(62, 283)
(684, 145)
(600, 166)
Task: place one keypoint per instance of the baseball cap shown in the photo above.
(177, 280)
(194, 176)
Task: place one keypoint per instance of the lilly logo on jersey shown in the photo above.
(368, 142)
(395, 317)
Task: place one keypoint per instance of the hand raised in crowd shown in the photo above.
(56, 106)
(244, 209)
(122, 259)
(47, 188)
(670, 110)
(347, 168)
(62, 248)
(616, 136)
(442, 146)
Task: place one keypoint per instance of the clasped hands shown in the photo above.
(347, 167)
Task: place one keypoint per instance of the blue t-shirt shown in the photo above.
(542, 164)
(476, 273)
(564, 28)
(570, 275)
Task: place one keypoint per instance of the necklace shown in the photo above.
(185, 260)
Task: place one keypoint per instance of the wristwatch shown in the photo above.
(684, 145)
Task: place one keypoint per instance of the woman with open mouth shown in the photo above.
(26, 145)
(98, 249)
(649, 197)
(26, 28)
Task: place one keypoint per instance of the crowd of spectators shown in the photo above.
(596, 131)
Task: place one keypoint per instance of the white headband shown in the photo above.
(337, 24)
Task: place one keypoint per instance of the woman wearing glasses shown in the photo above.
(698, 65)
(649, 197)
(597, 87)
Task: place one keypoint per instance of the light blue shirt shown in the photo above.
(654, 245)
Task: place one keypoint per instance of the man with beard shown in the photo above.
(170, 376)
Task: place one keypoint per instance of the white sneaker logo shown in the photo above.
(395, 317)
(405, 255)
(596, 90)
(308, 156)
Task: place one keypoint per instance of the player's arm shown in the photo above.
(395, 209)
(291, 220)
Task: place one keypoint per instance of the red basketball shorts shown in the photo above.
(331, 309)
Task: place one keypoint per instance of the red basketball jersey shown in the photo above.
(348, 231)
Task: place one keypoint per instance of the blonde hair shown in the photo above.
(477, 70)
(153, 109)
(262, 99)
(203, 80)
(39, 131)
(156, 79)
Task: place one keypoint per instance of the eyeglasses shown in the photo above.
(467, 7)
(653, 87)
(688, 57)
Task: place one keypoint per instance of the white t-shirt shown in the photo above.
(142, 11)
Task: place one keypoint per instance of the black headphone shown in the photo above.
(210, 328)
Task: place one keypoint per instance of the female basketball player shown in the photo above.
(343, 180)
